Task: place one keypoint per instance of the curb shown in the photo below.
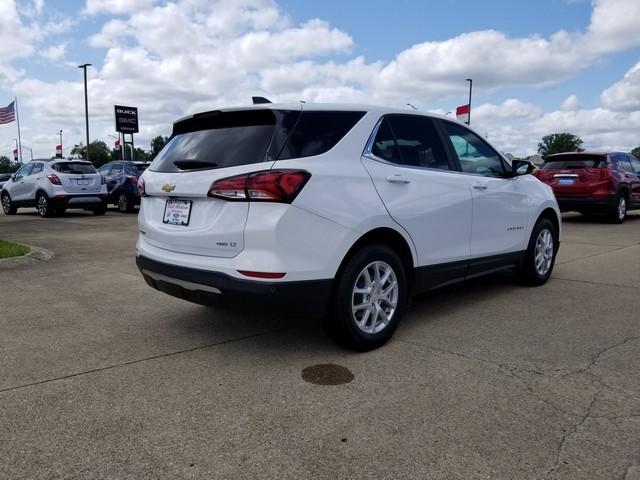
(35, 255)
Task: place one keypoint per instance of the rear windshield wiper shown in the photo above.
(194, 164)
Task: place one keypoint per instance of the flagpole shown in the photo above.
(15, 99)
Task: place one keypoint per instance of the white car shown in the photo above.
(52, 186)
(337, 212)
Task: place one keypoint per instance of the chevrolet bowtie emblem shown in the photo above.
(168, 187)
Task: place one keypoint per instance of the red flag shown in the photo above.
(116, 144)
(462, 113)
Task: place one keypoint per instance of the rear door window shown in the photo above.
(74, 168)
(37, 168)
(625, 163)
(635, 163)
(410, 140)
(573, 161)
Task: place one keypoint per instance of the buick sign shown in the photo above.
(126, 119)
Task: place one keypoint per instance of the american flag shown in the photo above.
(8, 113)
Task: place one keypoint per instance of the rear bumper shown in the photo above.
(585, 203)
(307, 298)
(79, 201)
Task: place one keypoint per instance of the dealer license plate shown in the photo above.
(177, 212)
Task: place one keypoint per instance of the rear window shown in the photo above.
(569, 161)
(227, 139)
(74, 167)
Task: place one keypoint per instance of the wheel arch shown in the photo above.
(391, 238)
(552, 215)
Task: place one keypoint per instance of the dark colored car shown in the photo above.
(122, 183)
(589, 182)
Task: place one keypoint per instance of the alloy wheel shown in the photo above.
(543, 255)
(43, 206)
(375, 297)
(622, 208)
(6, 204)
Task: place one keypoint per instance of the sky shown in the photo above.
(538, 67)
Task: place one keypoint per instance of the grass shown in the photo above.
(11, 249)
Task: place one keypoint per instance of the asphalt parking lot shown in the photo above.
(102, 377)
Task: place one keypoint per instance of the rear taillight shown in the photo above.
(53, 178)
(604, 173)
(141, 186)
(264, 186)
(132, 180)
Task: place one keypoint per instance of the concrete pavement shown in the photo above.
(103, 377)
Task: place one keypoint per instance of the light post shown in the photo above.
(86, 104)
(470, 89)
(61, 149)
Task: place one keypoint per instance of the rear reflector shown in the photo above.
(249, 273)
(141, 187)
(263, 186)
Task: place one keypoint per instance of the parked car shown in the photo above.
(337, 212)
(122, 183)
(52, 186)
(3, 178)
(590, 182)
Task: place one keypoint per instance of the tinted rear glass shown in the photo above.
(570, 161)
(318, 132)
(74, 167)
(228, 139)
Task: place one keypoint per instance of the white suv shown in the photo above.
(52, 186)
(336, 212)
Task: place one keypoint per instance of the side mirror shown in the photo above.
(14, 177)
(522, 167)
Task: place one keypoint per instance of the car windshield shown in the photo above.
(572, 161)
(74, 167)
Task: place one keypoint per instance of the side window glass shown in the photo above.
(24, 170)
(116, 169)
(475, 155)
(635, 163)
(625, 162)
(104, 170)
(37, 168)
(410, 140)
(384, 145)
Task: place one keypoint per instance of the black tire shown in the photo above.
(43, 205)
(341, 324)
(99, 210)
(125, 205)
(619, 210)
(528, 273)
(7, 206)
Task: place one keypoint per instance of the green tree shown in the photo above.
(156, 145)
(636, 152)
(558, 143)
(7, 165)
(99, 153)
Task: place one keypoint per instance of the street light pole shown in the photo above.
(86, 104)
(470, 89)
(61, 149)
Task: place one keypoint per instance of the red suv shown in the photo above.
(589, 182)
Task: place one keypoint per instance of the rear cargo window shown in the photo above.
(570, 161)
(217, 140)
(318, 132)
(228, 139)
(74, 167)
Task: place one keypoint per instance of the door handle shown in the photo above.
(397, 179)
(480, 185)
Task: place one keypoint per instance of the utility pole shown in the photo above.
(470, 89)
(61, 149)
(86, 104)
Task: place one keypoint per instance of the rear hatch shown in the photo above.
(78, 177)
(177, 213)
(574, 174)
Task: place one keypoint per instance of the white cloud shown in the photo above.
(116, 7)
(625, 94)
(174, 57)
(54, 53)
(570, 104)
